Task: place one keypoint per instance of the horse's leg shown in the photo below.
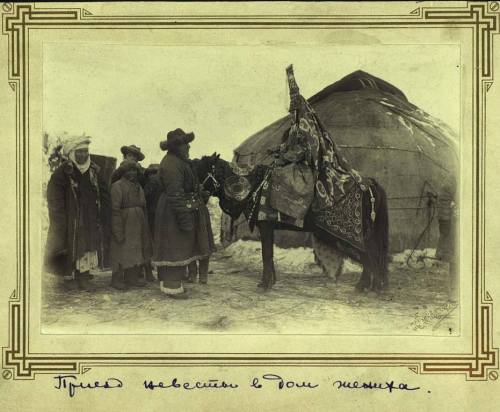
(266, 230)
(365, 279)
(339, 271)
(376, 274)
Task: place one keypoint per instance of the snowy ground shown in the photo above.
(303, 300)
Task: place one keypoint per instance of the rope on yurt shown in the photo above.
(430, 204)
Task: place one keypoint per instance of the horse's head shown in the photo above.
(216, 176)
(212, 172)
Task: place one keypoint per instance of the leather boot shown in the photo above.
(179, 296)
(68, 284)
(203, 269)
(117, 280)
(148, 269)
(192, 272)
(83, 281)
(132, 277)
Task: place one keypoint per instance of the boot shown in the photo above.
(179, 296)
(192, 272)
(171, 283)
(83, 281)
(203, 270)
(68, 284)
(117, 281)
(132, 278)
(148, 269)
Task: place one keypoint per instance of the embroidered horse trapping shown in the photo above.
(292, 189)
(344, 220)
(337, 204)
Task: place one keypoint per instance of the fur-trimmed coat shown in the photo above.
(79, 215)
(182, 222)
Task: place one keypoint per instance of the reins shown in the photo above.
(215, 182)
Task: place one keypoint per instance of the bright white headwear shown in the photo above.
(75, 143)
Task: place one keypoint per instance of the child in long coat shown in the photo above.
(131, 240)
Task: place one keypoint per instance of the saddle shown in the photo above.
(291, 189)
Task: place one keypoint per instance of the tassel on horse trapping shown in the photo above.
(372, 200)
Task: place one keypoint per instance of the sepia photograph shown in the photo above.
(250, 189)
(249, 205)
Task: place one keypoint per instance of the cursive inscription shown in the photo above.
(388, 386)
(280, 383)
(70, 383)
(174, 384)
(271, 381)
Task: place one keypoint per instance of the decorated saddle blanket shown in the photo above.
(342, 220)
(291, 189)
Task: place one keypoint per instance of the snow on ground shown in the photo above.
(299, 260)
(215, 217)
(248, 255)
(302, 301)
(416, 258)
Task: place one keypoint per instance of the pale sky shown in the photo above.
(130, 94)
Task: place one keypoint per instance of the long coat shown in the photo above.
(182, 224)
(131, 239)
(152, 192)
(78, 216)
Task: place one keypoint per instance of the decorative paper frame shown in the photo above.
(482, 18)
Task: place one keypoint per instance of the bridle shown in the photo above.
(211, 177)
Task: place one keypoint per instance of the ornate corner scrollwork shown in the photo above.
(17, 18)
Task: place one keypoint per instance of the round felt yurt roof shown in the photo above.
(383, 136)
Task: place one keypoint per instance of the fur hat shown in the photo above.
(133, 149)
(176, 138)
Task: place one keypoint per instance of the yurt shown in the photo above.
(383, 136)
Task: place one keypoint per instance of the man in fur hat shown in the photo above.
(130, 242)
(78, 203)
(182, 233)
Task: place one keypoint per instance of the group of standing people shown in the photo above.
(154, 217)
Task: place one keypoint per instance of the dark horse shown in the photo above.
(213, 173)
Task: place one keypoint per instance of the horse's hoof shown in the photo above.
(264, 286)
(380, 287)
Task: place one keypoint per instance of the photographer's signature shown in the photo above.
(434, 316)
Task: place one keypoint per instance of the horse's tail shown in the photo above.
(381, 230)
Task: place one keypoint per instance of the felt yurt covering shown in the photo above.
(383, 136)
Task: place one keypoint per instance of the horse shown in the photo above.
(213, 173)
